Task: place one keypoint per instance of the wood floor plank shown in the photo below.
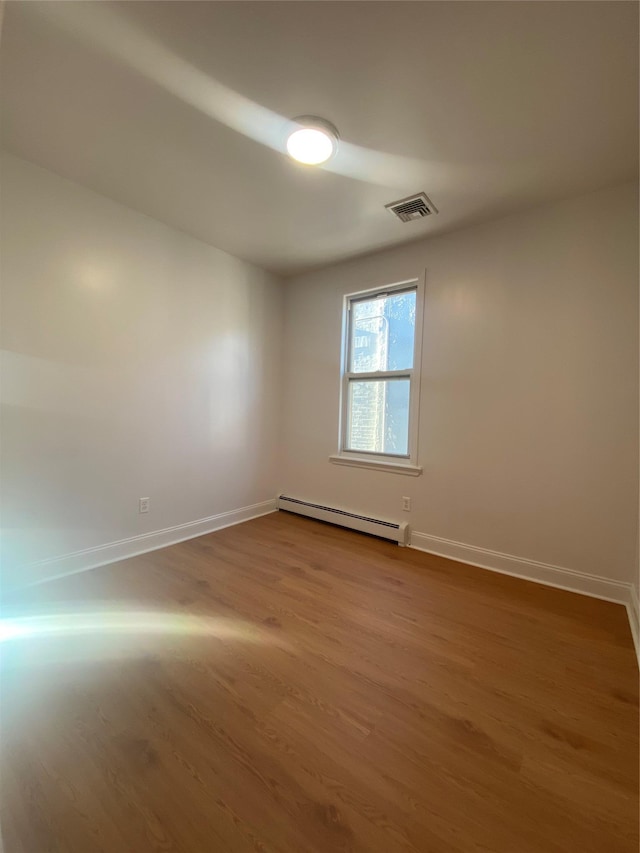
(292, 687)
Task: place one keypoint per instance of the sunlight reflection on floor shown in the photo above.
(75, 634)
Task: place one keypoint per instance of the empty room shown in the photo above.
(319, 437)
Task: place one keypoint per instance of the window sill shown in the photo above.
(377, 465)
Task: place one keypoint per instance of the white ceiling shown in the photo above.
(177, 108)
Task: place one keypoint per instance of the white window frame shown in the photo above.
(370, 459)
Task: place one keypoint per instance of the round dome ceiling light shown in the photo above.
(313, 141)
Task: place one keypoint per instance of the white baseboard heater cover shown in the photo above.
(376, 526)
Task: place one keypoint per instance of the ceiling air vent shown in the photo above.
(413, 207)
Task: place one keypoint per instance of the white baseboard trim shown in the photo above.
(531, 570)
(44, 571)
(633, 610)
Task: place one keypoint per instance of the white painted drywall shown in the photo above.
(137, 362)
(529, 401)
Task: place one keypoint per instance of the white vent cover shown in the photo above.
(396, 531)
(413, 207)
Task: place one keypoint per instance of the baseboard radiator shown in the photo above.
(376, 526)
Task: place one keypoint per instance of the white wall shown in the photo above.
(529, 406)
(136, 362)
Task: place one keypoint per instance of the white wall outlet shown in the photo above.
(143, 505)
(406, 504)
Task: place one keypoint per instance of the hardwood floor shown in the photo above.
(288, 686)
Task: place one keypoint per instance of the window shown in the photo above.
(380, 379)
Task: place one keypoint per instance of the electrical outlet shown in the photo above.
(406, 504)
(143, 505)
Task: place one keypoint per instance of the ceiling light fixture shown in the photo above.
(312, 141)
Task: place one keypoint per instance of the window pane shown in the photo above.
(378, 416)
(382, 333)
